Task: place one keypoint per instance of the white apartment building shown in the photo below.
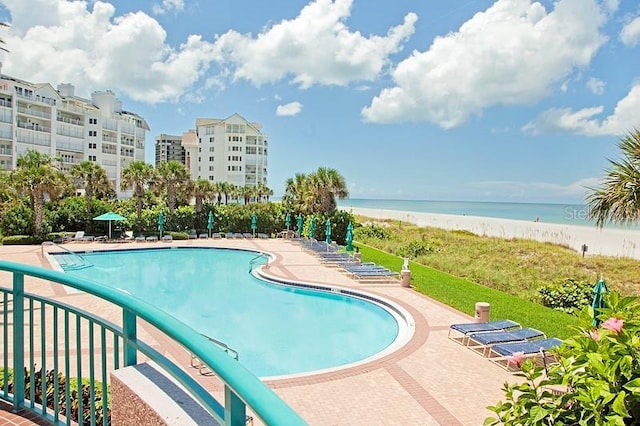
(227, 150)
(73, 129)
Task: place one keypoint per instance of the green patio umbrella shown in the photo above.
(598, 300)
(312, 227)
(299, 224)
(210, 222)
(110, 216)
(287, 220)
(349, 237)
(160, 223)
(327, 231)
(254, 223)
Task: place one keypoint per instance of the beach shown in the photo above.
(606, 242)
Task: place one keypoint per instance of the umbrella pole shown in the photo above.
(109, 229)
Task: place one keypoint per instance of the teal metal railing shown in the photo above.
(45, 337)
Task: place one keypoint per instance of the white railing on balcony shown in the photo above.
(70, 145)
(108, 138)
(110, 124)
(107, 150)
(108, 162)
(6, 151)
(140, 132)
(4, 103)
(34, 112)
(73, 132)
(70, 107)
(34, 126)
(74, 121)
(35, 139)
(126, 142)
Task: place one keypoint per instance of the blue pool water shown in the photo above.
(277, 330)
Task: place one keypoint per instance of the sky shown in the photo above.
(481, 100)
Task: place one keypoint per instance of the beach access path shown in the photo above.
(607, 242)
(429, 381)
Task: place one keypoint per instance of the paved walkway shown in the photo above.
(431, 380)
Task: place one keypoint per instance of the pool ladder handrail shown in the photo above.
(252, 262)
(196, 363)
(83, 262)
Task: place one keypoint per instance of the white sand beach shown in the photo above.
(607, 242)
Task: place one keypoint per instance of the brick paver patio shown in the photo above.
(430, 380)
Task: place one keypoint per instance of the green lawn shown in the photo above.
(463, 295)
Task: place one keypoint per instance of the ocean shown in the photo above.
(568, 214)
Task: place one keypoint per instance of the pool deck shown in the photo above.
(429, 381)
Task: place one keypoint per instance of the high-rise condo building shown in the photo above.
(227, 150)
(168, 148)
(73, 129)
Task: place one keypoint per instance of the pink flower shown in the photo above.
(613, 324)
(594, 334)
(517, 358)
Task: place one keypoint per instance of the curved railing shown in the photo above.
(22, 315)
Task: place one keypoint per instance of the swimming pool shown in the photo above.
(276, 329)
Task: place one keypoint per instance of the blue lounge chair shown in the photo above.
(460, 332)
(503, 353)
(482, 342)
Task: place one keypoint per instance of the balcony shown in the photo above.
(34, 112)
(110, 125)
(70, 145)
(6, 151)
(108, 138)
(4, 103)
(74, 121)
(34, 139)
(34, 126)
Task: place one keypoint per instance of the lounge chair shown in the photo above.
(216, 235)
(482, 342)
(460, 332)
(238, 235)
(262, 235)
(140, 239)
(152, 239)
(203, 236)
(193, 235)
(78, 237)
(167, 238)
(247, 235)
(504, 354)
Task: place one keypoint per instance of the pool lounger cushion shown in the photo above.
(482, 342)
(460, 332)
(503, 353)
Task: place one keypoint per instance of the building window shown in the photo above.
(210, 177)
(211, 158)
(210, 168)
(92, 158)
(211, 139)
(93, 133)
(211, 149)
(93, 121)
(93, 145)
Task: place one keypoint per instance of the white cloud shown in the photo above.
(596, 86)
(314, 48)
(65, 41)
(168, 6)
(630, 34)
(585, 121)
(290, 109)
(499, 56)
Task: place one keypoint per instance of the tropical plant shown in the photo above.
(618, 199)
(202, 190)
(93, 179)
(37, 177)
(226, 189)
(263, 192)
(137, 175)
(597, 375)
(316, 192)
(171, 177)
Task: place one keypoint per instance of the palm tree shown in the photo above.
(93, 179)
(618, 199)
(37, 177)
(328, 184)
(227, 189)
(137, 175)
(171, 177)
(262, 191)
(294, 193)
(202, 190)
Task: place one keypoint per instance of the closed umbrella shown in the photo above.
(299, 224)
(327, 231)
(312, 227)
(160, 223)
(349, 237)
(110, 216)
(210, 222)
(254, 223)
(287, 221)
(598, 300)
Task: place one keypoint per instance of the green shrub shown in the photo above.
(566, 296)
(371, 231)
(415, 248)
(18, 240)
(178, 235)
(598, 369)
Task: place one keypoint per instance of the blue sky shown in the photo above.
(508, 100)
